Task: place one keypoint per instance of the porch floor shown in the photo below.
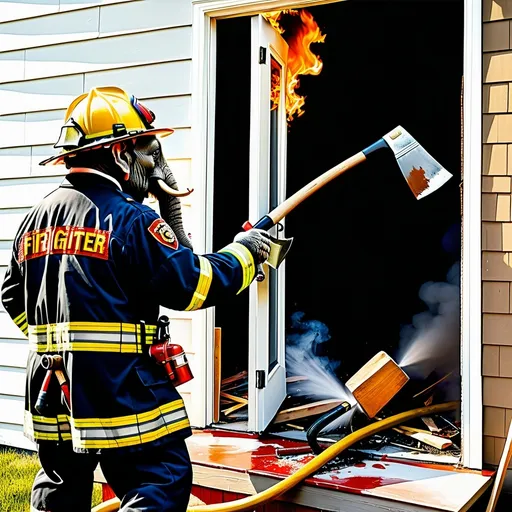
(242, 463)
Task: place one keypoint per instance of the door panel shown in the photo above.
(267, 188)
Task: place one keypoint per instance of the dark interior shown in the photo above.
(363, 244)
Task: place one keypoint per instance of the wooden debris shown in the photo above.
(237, 396)
(424, 437)
(216, 374)
(432, 385)
(376, 383)
(234, 378)
(430, 423)
(227, 412)
(505, 458)
(234, 398)
(303, 411)
(295, 427)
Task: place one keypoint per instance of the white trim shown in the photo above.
(204, 17)
(204, 14)
(471, 279)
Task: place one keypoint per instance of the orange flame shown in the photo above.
(301, 59)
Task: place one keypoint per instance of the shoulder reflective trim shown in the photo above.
(89, 337)
(244, 257)
(203, 285)
(109, 432)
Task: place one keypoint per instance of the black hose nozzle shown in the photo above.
(323, 421)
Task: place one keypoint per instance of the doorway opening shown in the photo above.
(371, 267)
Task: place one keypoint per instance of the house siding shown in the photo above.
(497, 226)
(50, 52)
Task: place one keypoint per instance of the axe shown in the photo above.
(422, 173)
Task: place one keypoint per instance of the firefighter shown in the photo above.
(91, 265)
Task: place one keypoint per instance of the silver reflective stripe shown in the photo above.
(119, 432)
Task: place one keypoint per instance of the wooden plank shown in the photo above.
(19, 10)
(139, 16)
(167, 79)
(11, 409)
(12, 66)
(46, 30)
(303, 411)
(37, 95)
(427, 438)
(108, 53)
(227, 412)
(453, 492)
(217, 372)
(376, 383)
(234, 398)
(16, 10)
(14, 353)
(9, 223)
(26, 193)
(506, 456)
(234, 378)
(8, 329)
(5, 253)
(12, 381)
(12, 435)
(14, 162)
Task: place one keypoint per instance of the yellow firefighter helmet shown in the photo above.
(101, 117)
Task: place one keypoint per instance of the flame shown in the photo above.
(301, 59)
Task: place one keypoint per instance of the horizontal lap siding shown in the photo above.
(50, 52)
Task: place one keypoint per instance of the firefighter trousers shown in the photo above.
(152, 479)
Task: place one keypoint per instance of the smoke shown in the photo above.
(432, 342)
(304, 343)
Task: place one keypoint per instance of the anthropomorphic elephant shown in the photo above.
(91, 266)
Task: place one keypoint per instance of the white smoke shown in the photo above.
(301, 360)
(432, 342)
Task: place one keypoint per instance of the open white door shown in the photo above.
(267, 189)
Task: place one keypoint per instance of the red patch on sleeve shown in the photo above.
(163, 233)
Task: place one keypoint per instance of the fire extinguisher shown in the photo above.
(170, 355)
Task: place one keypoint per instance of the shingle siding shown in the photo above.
(497, 228)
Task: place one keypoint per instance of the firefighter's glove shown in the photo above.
(258, 243)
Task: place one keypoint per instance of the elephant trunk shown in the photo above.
(169, 202)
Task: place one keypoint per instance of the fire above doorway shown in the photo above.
(300, 33)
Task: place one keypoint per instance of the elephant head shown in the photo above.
(147, 172)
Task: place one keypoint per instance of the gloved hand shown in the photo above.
(258, 243)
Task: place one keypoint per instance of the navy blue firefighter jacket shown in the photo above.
(90, 269)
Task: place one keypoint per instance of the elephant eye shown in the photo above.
(156, 154)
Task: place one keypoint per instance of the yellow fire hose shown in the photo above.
(250, 502)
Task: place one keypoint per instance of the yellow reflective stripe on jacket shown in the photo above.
(92, 433)
(47, 429)
(21, 322)
(244, 257)
(89, 337)
(203, 286)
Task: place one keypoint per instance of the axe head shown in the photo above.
(279, 248)
(423, 173)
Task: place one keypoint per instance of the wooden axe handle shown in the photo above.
(281, 211)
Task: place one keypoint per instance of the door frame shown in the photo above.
(205, 14)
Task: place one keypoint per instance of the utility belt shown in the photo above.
(105, 337)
